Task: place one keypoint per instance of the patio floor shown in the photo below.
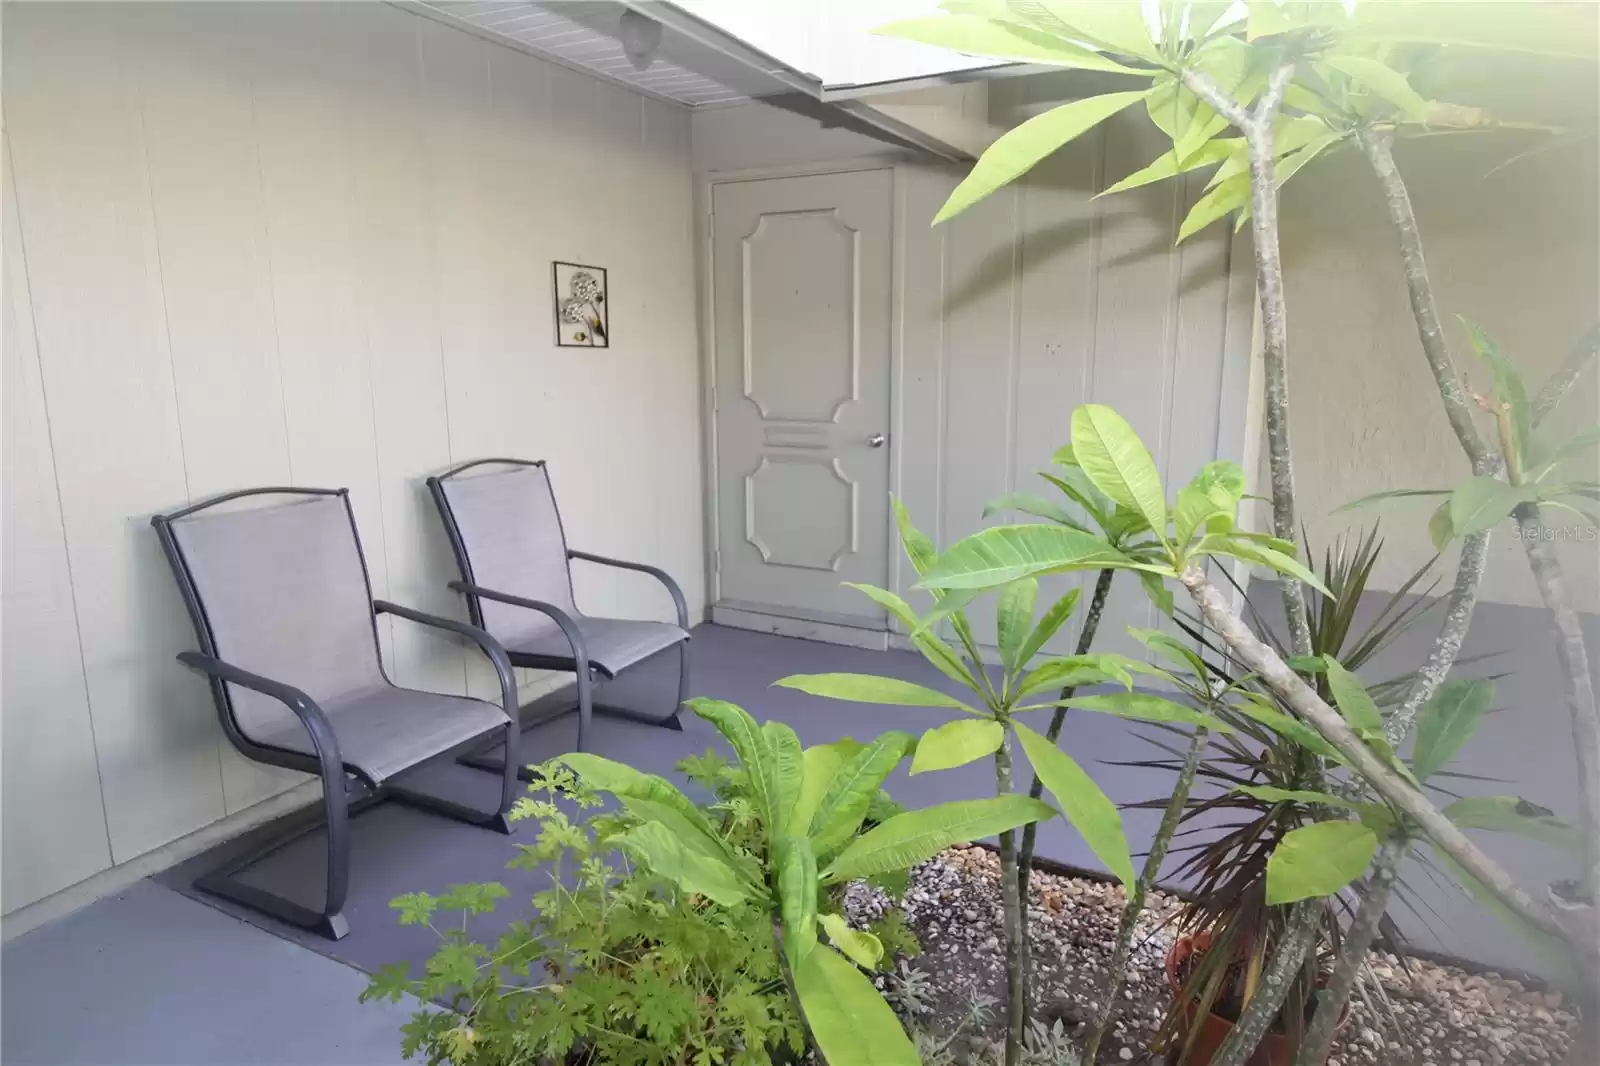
(162, 975)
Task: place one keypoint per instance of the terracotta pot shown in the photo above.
(1275, 1050)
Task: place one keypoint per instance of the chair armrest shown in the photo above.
(569, 628)
(654, 571)
(491, 648)
(304, 707)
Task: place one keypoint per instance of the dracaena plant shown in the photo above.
(804, 832)
(1026, 680)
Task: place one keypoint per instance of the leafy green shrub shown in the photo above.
(615, 966)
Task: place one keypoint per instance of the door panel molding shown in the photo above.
(849, 543)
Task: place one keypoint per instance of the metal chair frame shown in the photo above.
(577, 663)
(346, 789)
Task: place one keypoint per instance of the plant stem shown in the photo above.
(1147, 877)
(1258, 129)
(1447, 645)
(1378, 146)
(1357, 941)
(1574, 658)
(1030, 832)
(1303, 700)
(1300, 933)
(1016, 979)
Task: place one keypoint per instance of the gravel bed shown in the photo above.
(1428, 1014)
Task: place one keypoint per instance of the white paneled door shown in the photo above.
(801, 287)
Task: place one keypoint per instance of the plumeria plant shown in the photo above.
(995, 700)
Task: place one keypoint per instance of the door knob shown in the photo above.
(877, 440)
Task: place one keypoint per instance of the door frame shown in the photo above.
(705, 182)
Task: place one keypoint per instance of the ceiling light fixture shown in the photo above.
(640, 36)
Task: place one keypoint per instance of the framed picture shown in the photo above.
(583, 315)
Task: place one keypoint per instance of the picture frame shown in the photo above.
(582, 307)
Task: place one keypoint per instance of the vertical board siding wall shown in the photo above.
(303, 244)
(1037, 300)
(1032, 302)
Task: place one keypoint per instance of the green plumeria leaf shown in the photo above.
(1483, 502)
(1510, 814)
(862, 948)
(787, 771)
(1092, 668)
(916, 836)
(1289, 727)
(656, 848)
(1251, 552)
(1000, 554)
(1116, 460)
(898, 608)
(956, 744)
(1015, 153)
(1089, 810)
(1047, 627)
(818, 764)
(870, 688)
(797, 896)
(853, 787)
(1390, 494)
(1144, 707)
(1168, 165)
(1029, 504)
(847, 1016)
(1113, 25)
(1014, 617)
(1353, 700)
(1446, 722)
(1383, 80)
(1318, 860)
(1273, 794)
(1509, 389)
(753, 749)
(1441, 531)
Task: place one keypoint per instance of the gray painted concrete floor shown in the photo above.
(152, 978)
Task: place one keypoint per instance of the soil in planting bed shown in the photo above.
(1427, 1013)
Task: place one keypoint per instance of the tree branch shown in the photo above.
(1574, 658)
(1457, 407)
(1306, 704)
(1141, 888)
(1014, 913)
(1030, 832)
(1299, 936)
(1555, 389)
(1447, 645)
(1357, 941)
(1258, 127)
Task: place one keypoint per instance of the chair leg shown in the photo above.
(671, 720)
(585, 705)
(509, 767)
(330, 921)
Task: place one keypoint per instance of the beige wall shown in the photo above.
(281, 243)
(1036, 300)
(1517, 251)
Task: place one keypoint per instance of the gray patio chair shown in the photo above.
(516, 573)
(283, 612)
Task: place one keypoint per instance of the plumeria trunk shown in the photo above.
(1300, 934)
(1357, 942)
(1257, 127)
(1030, 832)
(1546, 568)
(1303, 700)
(1013, 905)
(1574, 659)
(1147, 878)
(1447, 645)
